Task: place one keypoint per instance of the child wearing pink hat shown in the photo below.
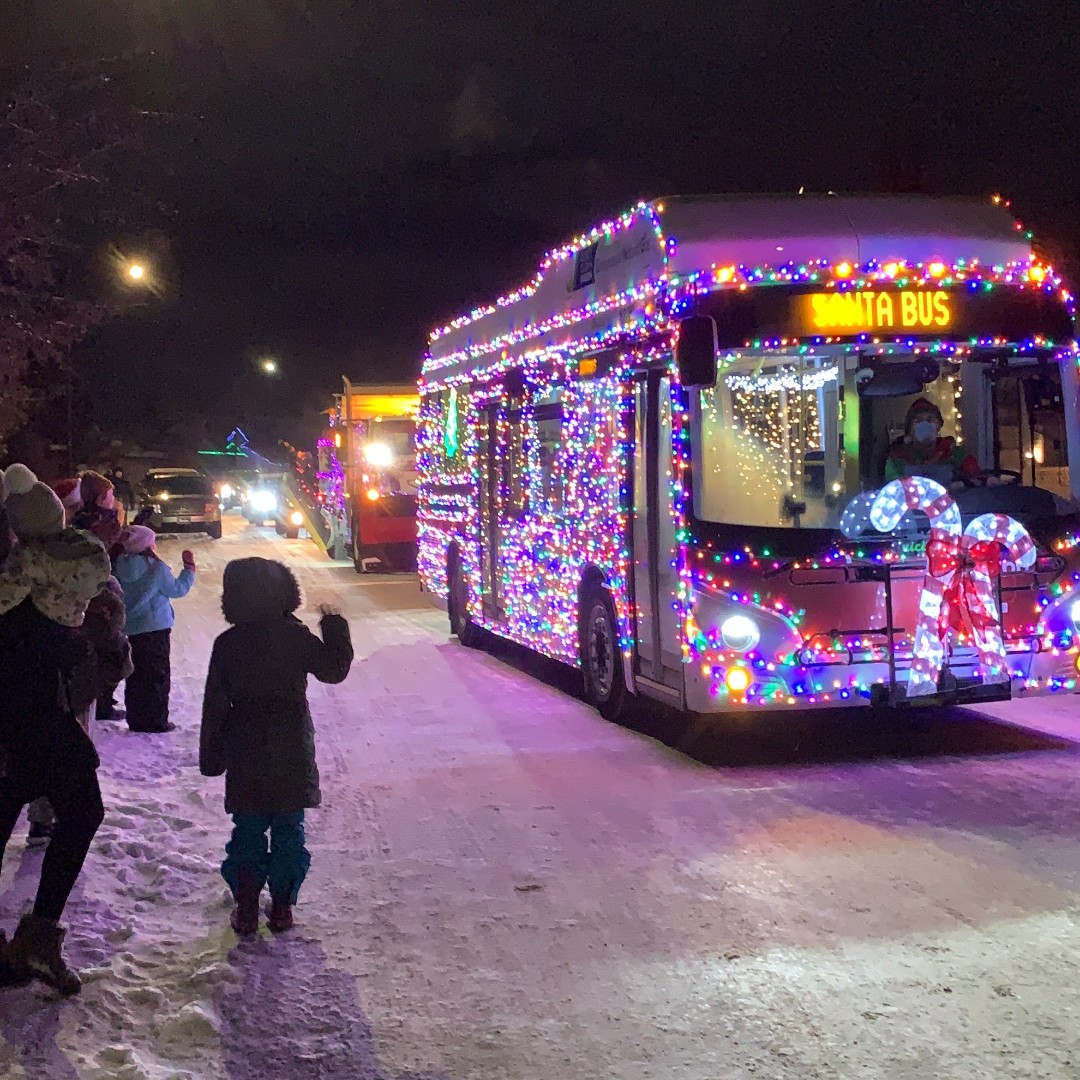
(149, 589)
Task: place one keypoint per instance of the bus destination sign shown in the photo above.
(872, 311)
(919, 312)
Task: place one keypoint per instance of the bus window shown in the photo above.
(768, 443)
(517, 466)
(1030, 428)
(549, 480)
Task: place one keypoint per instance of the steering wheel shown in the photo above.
(1011, 478)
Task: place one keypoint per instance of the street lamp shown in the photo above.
(136, 271)
(269, 366)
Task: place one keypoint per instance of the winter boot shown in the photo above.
(279, 916)
(40, 833)
(8, 974)
(35, 953)
(245, 916)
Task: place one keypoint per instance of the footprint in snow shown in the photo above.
(290, 1015)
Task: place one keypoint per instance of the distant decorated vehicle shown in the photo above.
(367, 474)
(738, 453)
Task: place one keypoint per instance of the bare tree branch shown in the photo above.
(64, 138)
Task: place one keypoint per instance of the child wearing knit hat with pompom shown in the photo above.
(59, 569)
(47, 674)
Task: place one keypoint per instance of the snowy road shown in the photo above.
(505, 886)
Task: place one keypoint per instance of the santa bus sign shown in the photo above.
(867, 311)
(887, 312)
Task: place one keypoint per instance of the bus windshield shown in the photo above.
(396, 435)
(788, 441)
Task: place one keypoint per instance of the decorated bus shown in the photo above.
(767, 452)
(367, 474)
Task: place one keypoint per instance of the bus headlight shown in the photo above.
(739, 633)
(378, 455)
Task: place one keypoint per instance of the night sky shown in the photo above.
(346, 174)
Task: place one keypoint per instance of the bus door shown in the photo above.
(658, 653)
(1029, 437)
(494, 470)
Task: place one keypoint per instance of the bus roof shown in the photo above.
(683, 235)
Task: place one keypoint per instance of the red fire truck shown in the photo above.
(368, 473)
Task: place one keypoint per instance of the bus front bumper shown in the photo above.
(1032, 673)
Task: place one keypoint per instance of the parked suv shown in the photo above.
(183, 500)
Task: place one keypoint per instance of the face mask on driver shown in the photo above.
(924, 431)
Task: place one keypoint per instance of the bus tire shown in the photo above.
(601, 657)
(457, 605)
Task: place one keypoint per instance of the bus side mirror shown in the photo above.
(695, 351)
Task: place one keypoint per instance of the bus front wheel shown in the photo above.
(601, 658)
(457, 607)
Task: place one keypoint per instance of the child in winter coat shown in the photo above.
(257, 730)
(104, 628)
(149, 586)
(98, 513)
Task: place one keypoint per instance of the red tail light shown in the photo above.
(211, 507)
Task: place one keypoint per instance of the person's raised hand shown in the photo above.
(328, 609)
(189, 559)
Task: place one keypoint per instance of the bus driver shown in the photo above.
(925, 452)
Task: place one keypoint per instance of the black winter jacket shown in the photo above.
(38, 729)
(256, 725)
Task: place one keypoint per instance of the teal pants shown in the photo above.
(282, 863)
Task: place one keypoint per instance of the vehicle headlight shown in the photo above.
(296, 518)
(226, 491)
(378, 454)
(264, 501)
(163, 496)
(739, 633)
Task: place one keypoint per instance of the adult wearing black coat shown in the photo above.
(257, 730)
(46, 753)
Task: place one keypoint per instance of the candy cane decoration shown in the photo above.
(889, 506)
(982, 543)
(960, 573)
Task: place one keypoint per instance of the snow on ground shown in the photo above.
(505, 886)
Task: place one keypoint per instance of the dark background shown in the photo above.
(343, 175)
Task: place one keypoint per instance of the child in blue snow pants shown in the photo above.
(283, 864)
(257, 730)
